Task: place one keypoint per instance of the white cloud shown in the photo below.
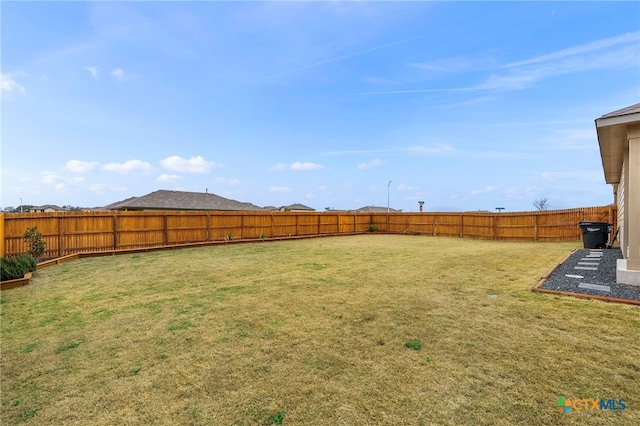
(572, 139)
(10, 87)
(438, 149)
(594, 176)
(305, 166)
(98, 188)
(119, 74)
(403, 187)
(296, 166)
(77, 166)
(279, 189)
(615, 52)
(278, 167)
(227, 181)
(127, 167)
(523, 193)
(168, 178)
(93, 71)
(513, 81)
(368, 164)
(192, 165)
(606, 43)
(486, 190)
(61, 182)
(450, 65)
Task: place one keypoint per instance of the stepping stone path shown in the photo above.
(590, 262)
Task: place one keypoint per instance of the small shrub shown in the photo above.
(14, 267)
(277, 418)
(37, 245)
(229, 237)
(29, 414)
(413, 344)
(372, 228)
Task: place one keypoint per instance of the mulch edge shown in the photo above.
(545, 277)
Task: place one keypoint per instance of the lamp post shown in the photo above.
(388, 186)
(20, 204)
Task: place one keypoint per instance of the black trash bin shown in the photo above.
(595, 235)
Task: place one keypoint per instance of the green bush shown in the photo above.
(14, 267)
(36, 243)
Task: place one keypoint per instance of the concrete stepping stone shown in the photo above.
(586, 268)
(574, 276)
(588, 264)
(595, 287)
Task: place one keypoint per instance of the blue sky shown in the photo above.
(466, 106)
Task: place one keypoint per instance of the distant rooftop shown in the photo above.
(180, 200)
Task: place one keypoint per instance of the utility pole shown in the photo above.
(388, 185)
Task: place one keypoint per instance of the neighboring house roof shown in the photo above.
(180, 200)
(612, 133)
(298, 208)
(47, 208)
(375, 209)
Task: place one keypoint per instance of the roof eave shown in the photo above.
(612, 133)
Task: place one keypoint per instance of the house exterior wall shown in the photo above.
(628, 268)
(619, 140)
(622, 229)
(632, 198)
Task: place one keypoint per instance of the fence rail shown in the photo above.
(75, 232)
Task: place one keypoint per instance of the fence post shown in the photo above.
(495, 227)
(115, 230)
(207, 234)
(60, 239)
(271, 224)
(2, 243)
(166, 228)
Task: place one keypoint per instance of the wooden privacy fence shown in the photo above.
(74, 232)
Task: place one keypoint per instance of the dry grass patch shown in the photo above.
(372, 329)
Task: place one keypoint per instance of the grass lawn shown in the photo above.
(371, 329)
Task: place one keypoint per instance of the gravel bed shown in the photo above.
(568, 279)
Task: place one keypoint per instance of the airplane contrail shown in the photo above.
(396, 92)
(305, 67)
